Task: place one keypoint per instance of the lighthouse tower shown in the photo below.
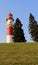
(9, 28)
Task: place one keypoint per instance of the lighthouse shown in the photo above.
(9, 28)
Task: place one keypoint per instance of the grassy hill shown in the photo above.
(19, 54)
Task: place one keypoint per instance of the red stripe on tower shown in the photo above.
(9, 30)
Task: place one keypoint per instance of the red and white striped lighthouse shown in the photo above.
(9, 28)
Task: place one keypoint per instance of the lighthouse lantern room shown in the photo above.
(9, 28)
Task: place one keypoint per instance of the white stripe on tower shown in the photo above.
(9, 28)
(9, 39)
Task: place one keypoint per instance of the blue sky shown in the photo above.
(20, 9)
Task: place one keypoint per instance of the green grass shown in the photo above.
(19, 53)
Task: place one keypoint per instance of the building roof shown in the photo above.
(9, 16)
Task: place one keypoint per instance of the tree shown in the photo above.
(18, 32)
(33, 28)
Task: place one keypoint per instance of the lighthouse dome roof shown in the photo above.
(9, 16)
